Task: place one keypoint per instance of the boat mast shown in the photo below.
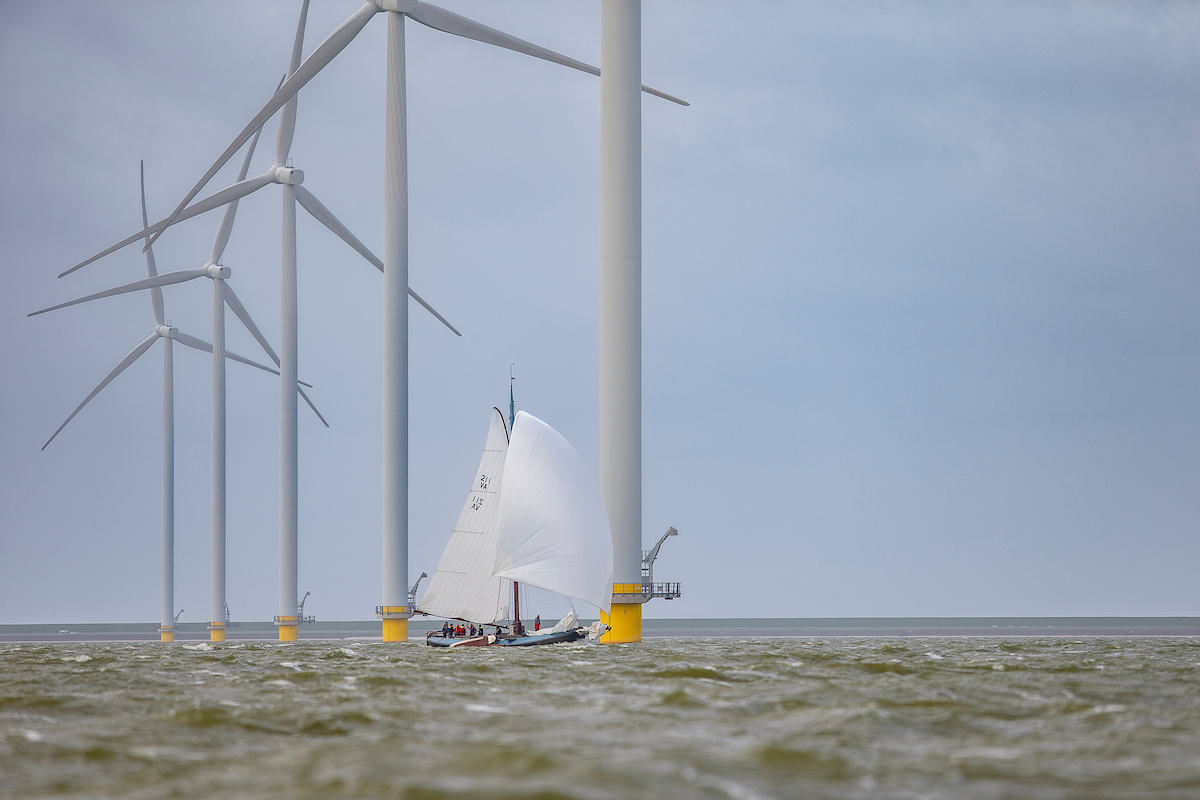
(512, 418)
(512, 404)
(517, 630)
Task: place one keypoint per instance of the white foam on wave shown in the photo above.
(203, 647)
(482, 709)
(729, 788)
(79, 659)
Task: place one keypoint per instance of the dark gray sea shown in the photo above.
(696, 718)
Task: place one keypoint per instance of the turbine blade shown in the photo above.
(325, 52)
(205, 347)
(232, 356)
(142, 234)
(664, 95)
(226, 195)
(449, 22)
(298, 42)
(313, 407)
(133, 356)
(156, 296)
(192, 341)
(287, 120)
(235, 304)
(324, 216)
(146, 283)
(226, 227)
(431, 310)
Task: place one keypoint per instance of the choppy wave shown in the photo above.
(721, 718)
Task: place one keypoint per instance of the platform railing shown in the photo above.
(663, 591)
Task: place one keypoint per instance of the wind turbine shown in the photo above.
(168, 334)
(222, 295)
(394, 611)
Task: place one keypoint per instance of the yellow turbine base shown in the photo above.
(395, 630)
(289, 633)
(624, 623)
(167, 636)
(216, 634)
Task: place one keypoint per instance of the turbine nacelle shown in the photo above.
(216, 271)
(166, 331)
(396, 5)
(287, 175)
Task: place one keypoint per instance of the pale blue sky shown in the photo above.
(920, 293)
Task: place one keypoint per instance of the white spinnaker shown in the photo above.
(463, 586)
(553, 531)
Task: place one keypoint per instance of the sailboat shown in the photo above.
(533, 517)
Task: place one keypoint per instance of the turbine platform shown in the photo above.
(645, 592)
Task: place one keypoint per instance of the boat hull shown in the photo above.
(467, 641)
(562, 637)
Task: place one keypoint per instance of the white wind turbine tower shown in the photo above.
(395, 609)
(222, 295)
(621, 309)
(168, 334)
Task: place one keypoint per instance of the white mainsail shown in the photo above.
(463, 586)
(553, 529)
